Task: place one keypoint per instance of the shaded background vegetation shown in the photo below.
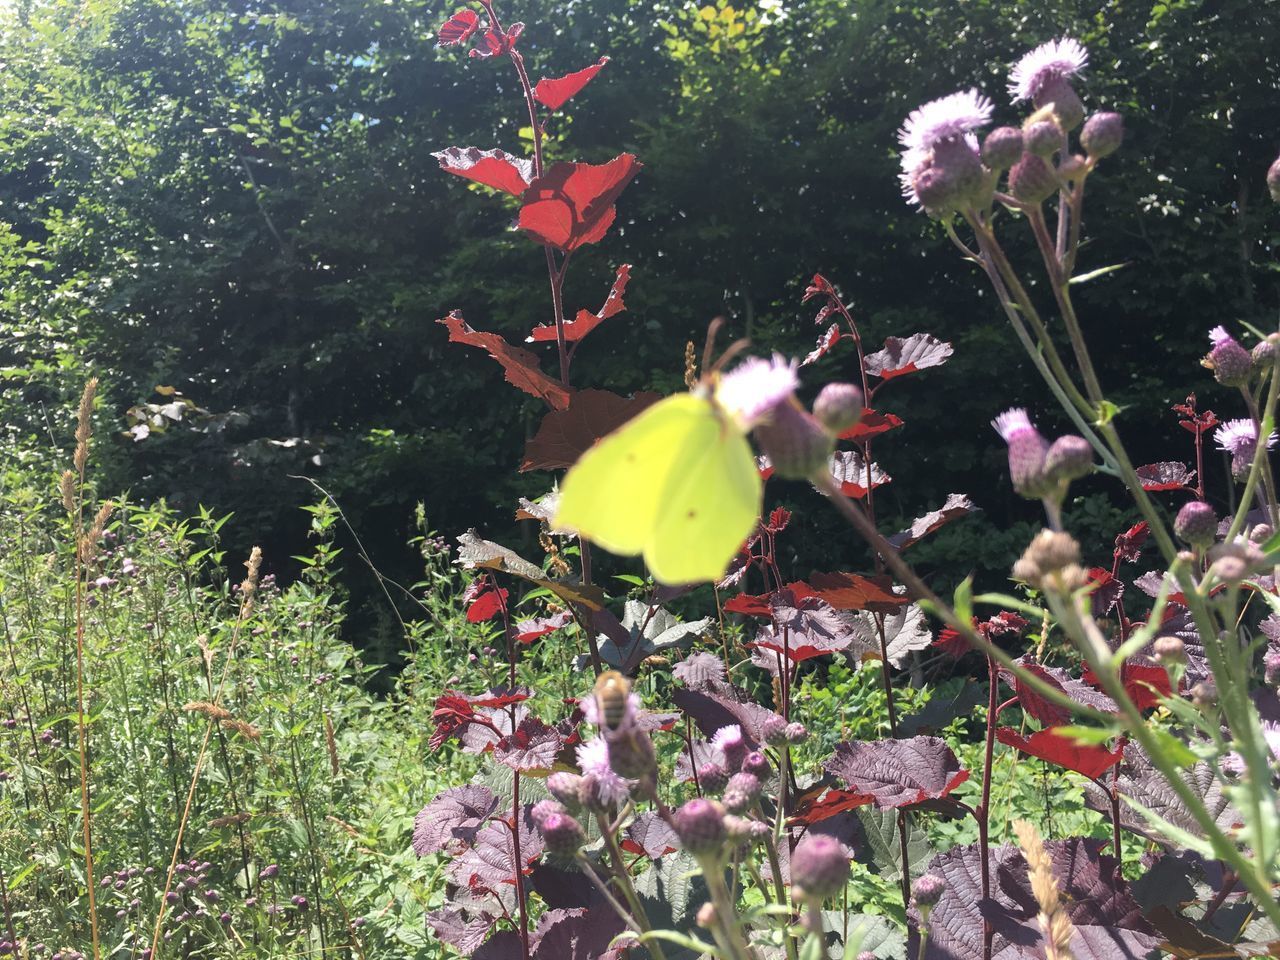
(238, 201)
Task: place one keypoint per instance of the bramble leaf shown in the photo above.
(458, 28)
(1166, 475)
(957, 505)
(1053, 747)
(531, 746)
(450, 821)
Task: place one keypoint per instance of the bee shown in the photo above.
(611, 692)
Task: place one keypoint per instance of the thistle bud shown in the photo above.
(1002, 148)
(1068, 458)
(1169, 650)
(1261, 533)
(712, 777)
(1072, 168)
(1027, 450)
(565, 787)
(1031, 180)
(927, 891)
(1232, 562)
(1273, 180)
(706, 917)
(819, 867)
(774, 731)
(757, 765)
(1271, 668)
(700, 826)
(1102, 134)
(745, 829)
(731, 743)
(1051, 559)
(951, 178)
(797, 733)
(866, 955)
(795, 442)
(1204, 694)
(1043, 138)
(1196, 524)
(741, 793)
(562, 835)
(1057, 94)
(545, 808)
(838, 407)
(1230, 362)
(1263, 355)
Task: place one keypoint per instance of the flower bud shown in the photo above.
(795, 442)
(1069, 458)
(1261, 533)
(838, 407)
(1052, 559)
(1263, 356)
(707, 915)
(1057, 94)
(745, 829)
(1273, 180)
(732, 744)
(700, 826)
(545, 808)
(1027, 450)
(1169, 650)
(1102, 134)
(757, 765)
(927, 891)
(631, 753)
(867, 955)
(1043, 138)
(566, 788)
(819, 867)
(1196, 524)
(1230, 362)
(1204, 694)
(741, 792)
(1271, 668)
(562, 835)
(712, 777)
(589, 792)
(1072, 168)
(1232, 562)
(1031, 180)
(951, 178)
(797, 733)
(773, 731)
(1002, 148)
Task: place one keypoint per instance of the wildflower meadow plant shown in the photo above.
(726, 828)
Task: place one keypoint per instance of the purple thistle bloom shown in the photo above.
(1027, 451)
(593, 759)
(944, 119)
(750, 391)
(1055, 60)
(1240, 436)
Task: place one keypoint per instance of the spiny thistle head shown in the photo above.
(945, 179)
(565, 787)
(741, 792)
(1263, 356)
(773, 730)
(1002, 148)
(927, 890)
(545, 808)
(1043, 137)
(1027, 451)
(733, 745)
(1102, 134)
(751, 391)
(838, 406)
(1196, 524)
(797, 733)
(1230, 362)
(745, 829)
(1069, 458)
(756, 764)
(946, 118)
(562, 835)
(1055, 60)
(795, 442)
(1240, 439)
(1232, 562)
(700, 825)
(819, 867)
(1059, 96)
(1032, 180)
(601, 786)
(712, 777)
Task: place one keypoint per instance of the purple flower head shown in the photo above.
(1049, 62)
(819, 867)
(751, 390)
(1027, 451)
(593, 760)
(730, 742)
(944, 119)
(1219, 336)
(1240, 437)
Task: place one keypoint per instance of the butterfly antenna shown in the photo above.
(713, 328)
(730, 352)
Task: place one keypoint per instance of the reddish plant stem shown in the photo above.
(984, 809)
(515, 783)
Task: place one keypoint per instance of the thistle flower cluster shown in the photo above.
(944, 168)
(1041, 470)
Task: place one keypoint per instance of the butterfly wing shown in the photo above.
(709, 507)
(613, 495)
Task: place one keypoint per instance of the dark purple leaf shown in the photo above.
(825, 343)
(578, 934)
(1107, 591)
(851, 472)
(490, 864)
(1108, 922)
(533, 746)
(503, 945)
(957, 505)
(703, 754)
(898, 773)
(1045, 711)
(450, 821)
(899, 357)
(905, 631)
(1129, 544)
(720, 705)
(699, 669)
(563, 888)
(651, 835)
(481, 737)
(564, 435)
(1167, 475)
(804, 628)
(462, 931)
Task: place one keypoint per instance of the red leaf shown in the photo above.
(952, 642)
(1144, 683)
(854, 475)
(765, 467)
(813, 809)
(849, 591)
(898, 773)
(1166, 475)
(493, 43)
(572, 203)
(493, 168)
(520, 365)
(554, 94)
(803, 628)
(458, 28)
(825, 343)
(1107, 591)
(871, 424)
(1035, 704)
(528, 631)
(819, 286)
(486, 605)
(749, 605)
(1129, 544)
(899, 357)
(779, 517)
(957, 505)
(586, 321)
(564, 435)
(531, 746)
(1049, 745)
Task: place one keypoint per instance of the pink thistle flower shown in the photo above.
(1055, 60)
(1027, 452)
(1240, 436)
(1218, 336)
(593, 759)
(750, 391)
(1234, 763)
(945, 119)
